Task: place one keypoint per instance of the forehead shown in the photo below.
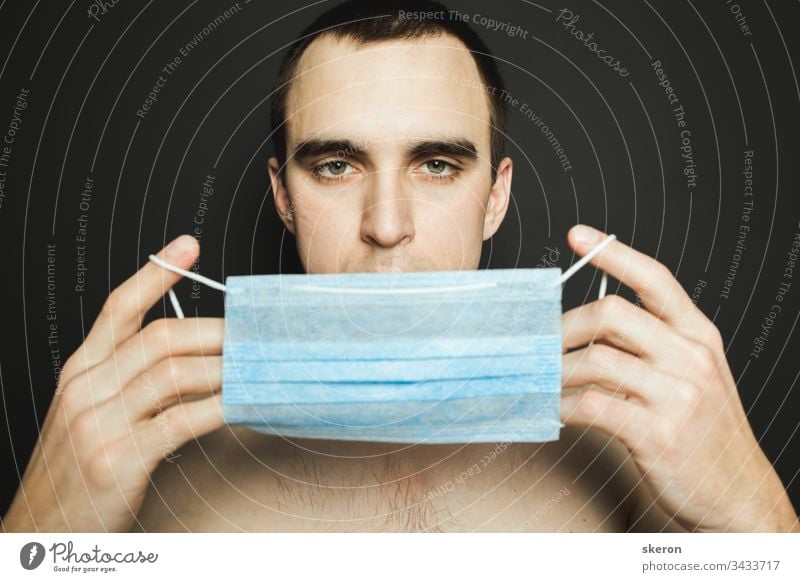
(398, 89)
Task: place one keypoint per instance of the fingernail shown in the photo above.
(586, 235)
(176, 248)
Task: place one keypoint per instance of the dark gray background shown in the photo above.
(88, 78)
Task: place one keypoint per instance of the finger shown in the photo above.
(123, 312)
(166, 383)
(625, 419)
(599, 340)
(614, 370)
(156, 440)
(177, 425)
(172, 380)
(653, 282)
(626, 327)
(159, 340)
(567, 390)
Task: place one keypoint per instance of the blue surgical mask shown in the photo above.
(418, 357)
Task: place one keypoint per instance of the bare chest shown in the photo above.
(258, 483)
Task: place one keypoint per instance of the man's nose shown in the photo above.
(387, 218)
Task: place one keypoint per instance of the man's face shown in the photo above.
(389, 161)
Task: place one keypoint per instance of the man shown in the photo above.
(389, 158)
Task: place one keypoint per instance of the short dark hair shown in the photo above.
(366, 21)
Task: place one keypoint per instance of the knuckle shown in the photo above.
(158, 331)
(660, 274)
(132, 394)
(165, 380)
(650, 379)
(83, 428)
(168, 370)
(668, 427)
(70, 367)
(713, 338)
(704, 362)
(592, 403)
(99, 469)
(686, 393)
(601, 355)
(175, 420)
(114, 303)
(680, 349)
(665, 431)
(610, 306)
(174, 369)
(72, 397)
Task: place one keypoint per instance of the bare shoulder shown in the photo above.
(584, 482)
(186, 490)
(239, 480)
(598, 476)
(612, 465)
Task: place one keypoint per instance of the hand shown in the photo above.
(657, 379)
(118, 410)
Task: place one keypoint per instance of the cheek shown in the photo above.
(453, 224)
(460, 211)
(319, 219)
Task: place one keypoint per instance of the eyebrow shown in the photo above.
(460, 147)
(456, 146)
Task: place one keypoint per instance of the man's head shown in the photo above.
(388, 129)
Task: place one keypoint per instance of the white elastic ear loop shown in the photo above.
(603, 281)
(188, 274)
(407, 291)
(221, 286)
(588, 257)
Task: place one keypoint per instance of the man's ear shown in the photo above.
(499, 197)
(283, 203)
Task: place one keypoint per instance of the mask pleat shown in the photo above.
(448, 356)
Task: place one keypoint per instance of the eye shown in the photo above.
(438, 167)
(332, 170)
